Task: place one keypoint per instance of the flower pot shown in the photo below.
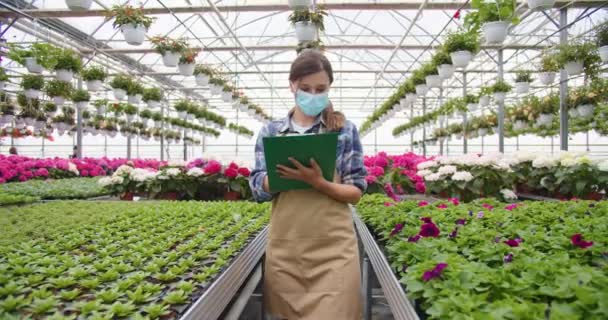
(547, 78)
(472, 107)
(495, 32)
(227, 96)
(545, 119)
(573, 113)
(127, 196)
(299, 3)
(94, 85)
(573, 67)
(32, 93)
(484, 101)
(2, 85)
(457, 136)
(445, 71)
(64, 75)
(134, 34)
(482, 132)
(202, 80)
(603, 53)
(101, 110)
(186, 69)
(540, 4)
(522, 87)
(500, 96)
(433, 81)
(585, 110)
(79, 4)
(32, 66)
(305, 31)
(243, 108)
(59, 101)
(215, 89)
(171, 59)
(130, 118)
(403, 103)
(460, 59)
(520, 125)
(135, 99)
(411, 97)
(421, 89)
(119, 94)
(81, 105)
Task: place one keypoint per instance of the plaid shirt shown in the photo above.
(349, 161)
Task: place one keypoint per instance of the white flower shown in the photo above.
(462, 176)
(195, 172)
(72, 168)
(117, 180)
(427, 165)
(603, 166)
(141, 175)
(176, 163)
(568, 162)
(446, 170)
(583, 160)
(124, 169)
(162, 177)
(172, 172)
(544, 162)
(433, 177)
(524, 156)
(424, 173)
(508, 194)
(105, 181)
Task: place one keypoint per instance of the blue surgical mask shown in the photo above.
(312, 104)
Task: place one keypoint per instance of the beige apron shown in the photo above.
(312, 259)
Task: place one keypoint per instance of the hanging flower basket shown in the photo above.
(484, 101)
(520, 125)
(32, 66)
(32, 93)
(153, 104)
(134, 34)
(545, 119)
(299, 3)
(119, 94)
(202, 80)
(134, 99)
(585, 111)
(500, 96)
(604, 53)
(482, 132)
(445, 71)
(186, 69)
(94, 85)
(215, 89)
(227, 96)
(461, 59)
(547, 78)
(171, 59)
(305, 31)
(79, 4)
(59, 101)
(421, 89)
(433, 81)
(540, 4)
(573, 113)
(64, 75)
(522, 87)
(495, 32)
(573, 67)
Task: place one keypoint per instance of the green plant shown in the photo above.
(3, 76)
(127, 14)
(130, 109)
(429, 68)
(485, 91)
(146, 114)
(204, 69)
(152, 94)
(68, 60)
(548, 63)
(94, 73)
(501, 86)
(165, 44)
(601, 34)
(491, 11)
(121, 81)
(306, 15)
(44, 53)
(523, 76)
(469, 98)
(156, 311)
(32, 81)
(50, 107)
(135, 88)
(585, 53)
(188, 56)
(182, 105)
(442, 56)
(56, 88)
(156, 116)
(227, 88)
(80, 95)
(462, 41)
(316, 45)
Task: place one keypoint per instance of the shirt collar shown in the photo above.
(286, 125)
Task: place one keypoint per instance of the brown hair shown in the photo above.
(309, 62)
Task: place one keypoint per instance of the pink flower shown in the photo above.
(420, 187)
(2, 181)
(577, 241)
(511, 207)
(454, 201)
(442, 206)
(487, 206)
(414, 238)
(213, 167)
(231, 173)
(381, 162)
(388, 204)
(84, 173)
(370, 179)
(233, 166)
(22, 178)
(513, 242)
(423, 203)
(435, 273)
(244, 172)
(388, 189)
(396, 229)
(429, 230)
(42, 172)
(461, 221)
(376, 171)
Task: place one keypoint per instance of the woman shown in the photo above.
(312, 259)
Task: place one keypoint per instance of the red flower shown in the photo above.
(429, 230)
(381, 162)
(420, 187)
(388, 204)
(435, 273)
(457, 14)
(454, 201)
(231, 173)
(213, 167)
(244, 172)
(423, 203)
(513, 242)
(233, 166)
(511, 207)
(442, 206)
(487, 206)
(396, 229)
(577, 241)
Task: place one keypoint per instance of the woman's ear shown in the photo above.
(293, 86)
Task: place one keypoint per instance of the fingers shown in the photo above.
(296, 163)
(314, 164)
(283, 169)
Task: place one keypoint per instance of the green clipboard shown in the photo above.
(278, 149)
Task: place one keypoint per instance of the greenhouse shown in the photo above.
(303, 159)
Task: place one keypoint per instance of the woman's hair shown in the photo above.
(309, 62)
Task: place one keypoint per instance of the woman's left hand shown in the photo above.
(313, 175)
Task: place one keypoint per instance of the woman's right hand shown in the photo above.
(265, 185)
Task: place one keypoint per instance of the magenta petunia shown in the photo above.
(429, 230)
(508, 258)
(442, 206)
(487, 206)
(388, 204)
(511, 207)
(454, 201)
(435, 273)
(420, 187)
(454, 233)
(396, 229)
(370, 179)
(414, 238)
(577, 241)
(423, 203)
(461, 221)
(513, 242)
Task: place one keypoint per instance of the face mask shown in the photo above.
(312, 104)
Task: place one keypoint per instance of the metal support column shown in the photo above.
(424, 127)
(128, 140)
(440, 123)
(185, 147)
(465, 147)
(162, 126)
(563, 85)
(79, 125)
(411, 130)
(367, 289)
(42, 149)
(501, 107)
(237, 134)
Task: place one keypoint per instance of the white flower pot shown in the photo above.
(29, 121)
(484, 101)
(171, 59)
(495, 32)
(135, 99)
(305, 31)
(59, 101)
(603, 53)
(520, 125)
(81, 104)
(79, 4)
(472, 107)
(134, 34)
(215, 89)
(433, 81)
(573, 113)
(182, 114)
(64, 75)
(32, 93)
(227, 96)
(500, 96)
(445, 71)
(2, 85)
(119, 94)
(94, 85)
(32, 66)
(573, 67)
(101, 110)
(585, 110)
(403, 102)
(460, 59)
(545, 119)
(411, 97)
(547, 78)
(482, 132)
(522, 87)
(130, 118)
(421, 89)
(243, 108)
(153, 104)
(540, 4)
(299, 3)
(202, 80)
(186, 69)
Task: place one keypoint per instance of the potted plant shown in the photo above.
(432, 78)
(601, 37)
(145, 115)
(547, 108)
(36, 58)
(152, 96)
(3, 79)
(7, 111)
(132, 22)
(484, 96)
(158, 119)
(500, 90)
(494, 17)
(170, 49)
(215, 86)
(32, 84)
(461, 47)
(523, 78)
(130, 111)
(576, 57)
(58, 91)
(312, 45)
(182, 107)
(472, 102)
(295, 4)
(443, 61)
(419, 81)
(187, 62)
(582, 101)
(101, 106)
(50, 109)
(94, 77)
(135, 92)
(227, 93)
(29, 109)
(540, 4)
(81, 98)
(120, 84)
(67, 64)
(202, 74)
(549, 68)
(306, 22)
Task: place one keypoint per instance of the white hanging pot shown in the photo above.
(227, 96)
(445, 71)
(472, 107)
(182, 114)
(130, 118)
(460, 59)
(573, 67)
(603, 53)
(482, 132)
(64, 75)
(119, 94)
(522, 87)
(2, 85)
(101, 110)
(457, 136)
(411, 97)
(32, 66)
(29, 121)
(59, 101)
(520, 125)
(403, 103)
(495, 32)
(547, 78)
(433, 81)
(545, 119)
(243, 108)
(305, 31)
(186, 69)
(135, 99)
(153, 104)
(484, 101)
(94, 85)
(585, 110)
(32, 93)
(421, 89)
(202, 80)
(573, 113)
(299, 3)
(170, 59)
(500, 96)
(79, 4)
(540, 4)
(215, 89)
(134, 34)
(82, 104)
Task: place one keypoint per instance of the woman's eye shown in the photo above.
(305, 89)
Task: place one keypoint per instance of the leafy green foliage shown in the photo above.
(523, 76)
(165, 44)
(491, 11)
(306, 15)
(601, 34)
(94, 73)
(586, 53)
(75, 188)
(14, 199)
(56, 88)
(501, 86)
(152, 94)
(128, 14)
(68, 60)
(121, 81)
(32, 81)
(81, 95)
(548, 63)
